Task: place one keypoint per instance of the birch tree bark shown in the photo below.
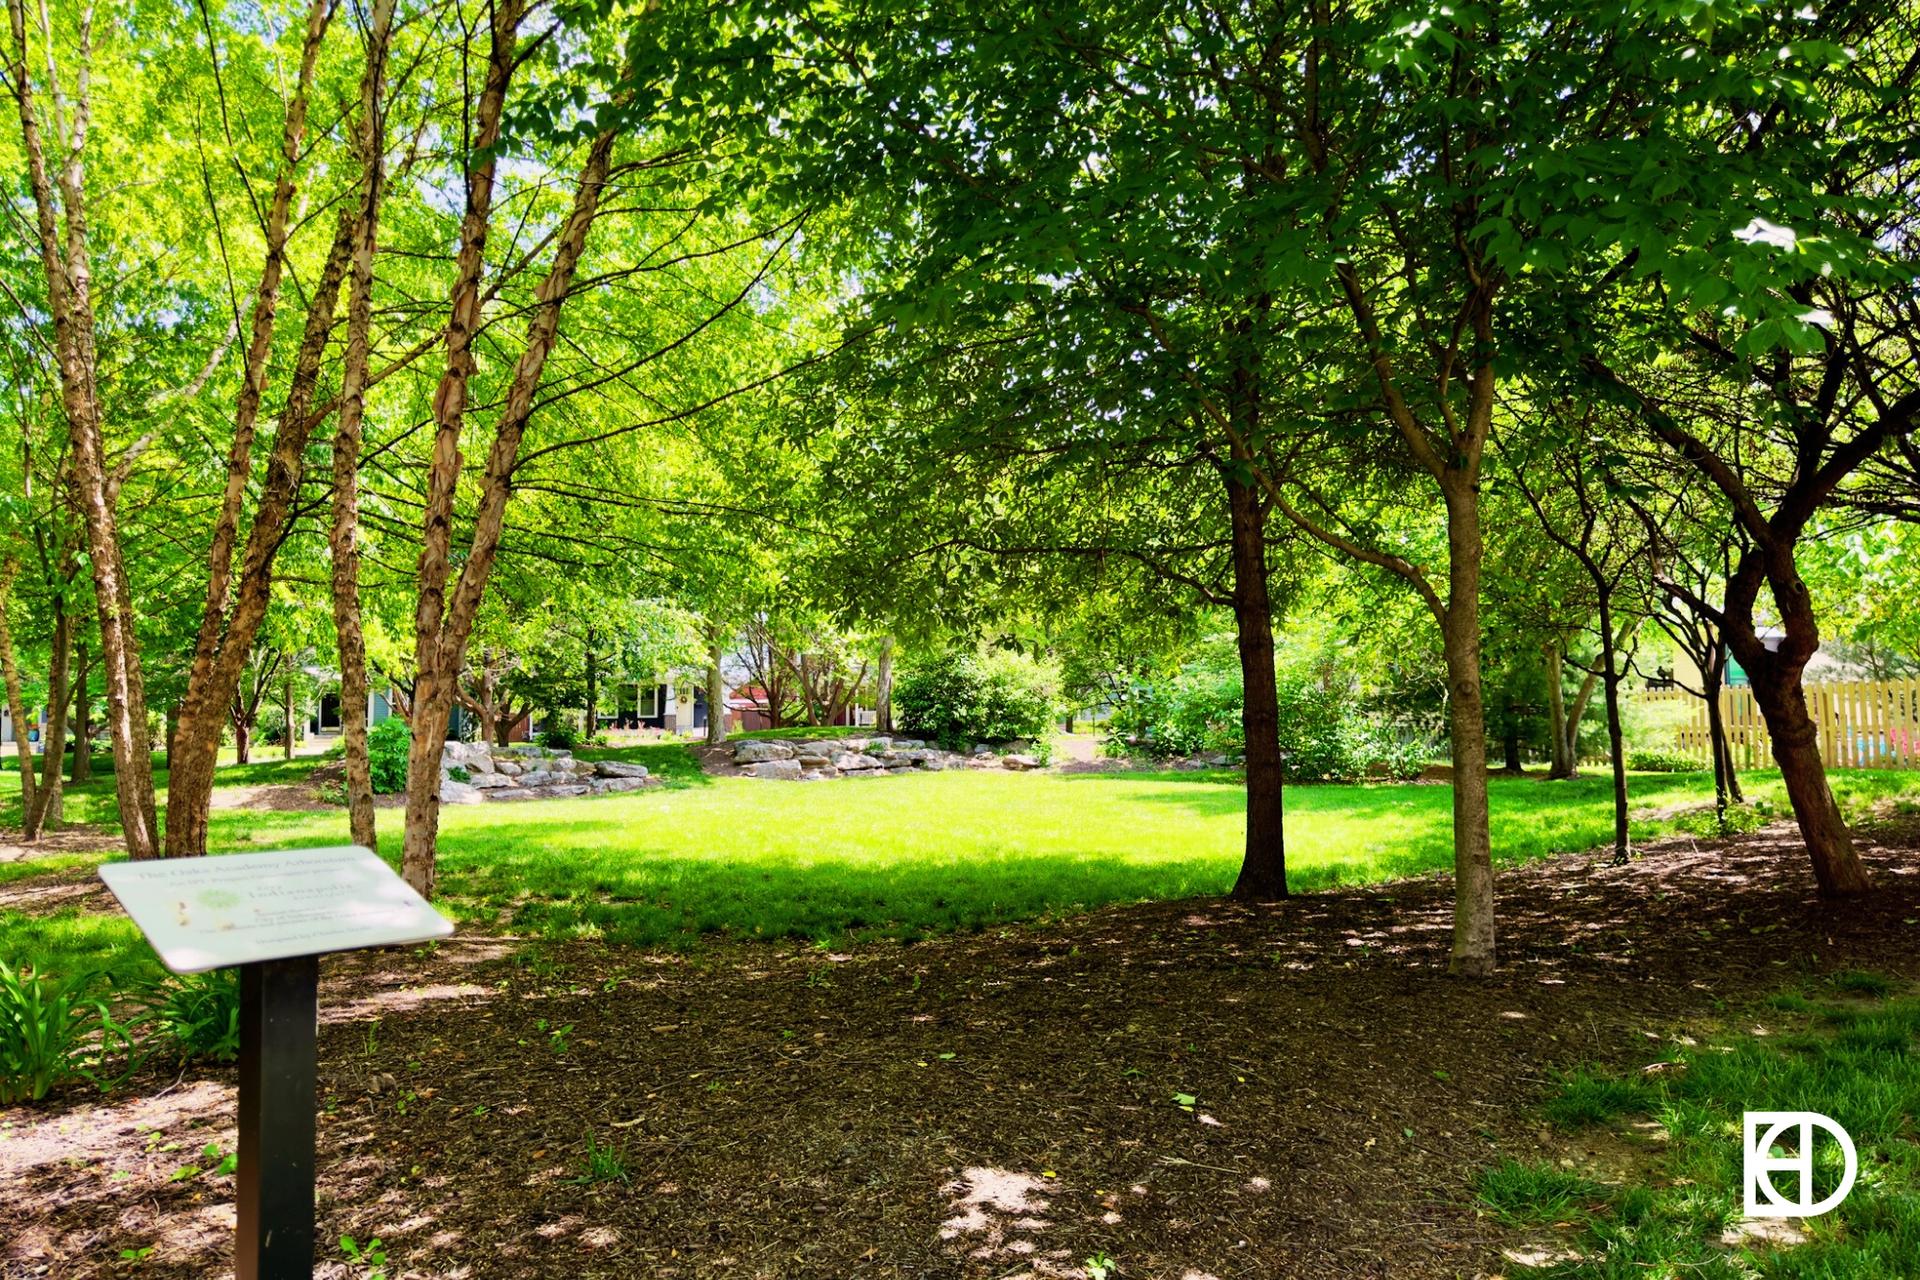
(231, 615)
(61, 229)
(443, 621)
(343, 535)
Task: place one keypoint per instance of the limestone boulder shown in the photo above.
(619, 769)
(452, 792)
(787, 769)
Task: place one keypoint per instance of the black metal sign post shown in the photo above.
(273, 915)
(278, 1015)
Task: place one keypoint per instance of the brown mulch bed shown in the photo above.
(990, 1106)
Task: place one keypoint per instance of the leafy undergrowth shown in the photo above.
(1848, 1049)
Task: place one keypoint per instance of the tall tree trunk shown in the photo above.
(883, 688)
(82, 718)
(242, 742)
(1473, 921)
(286, 710)
(16, 698)
(1616, 747)
(1726, 777)
(222, 652)
(48, 802)
(343, 539)
(1566, 761)
(1263, 865)
(716, 689)
(442, 625)
(1796, 748)
(591, 720)
(1510, 739)
(69, 276)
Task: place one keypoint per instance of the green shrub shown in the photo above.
(1326, 728)
(52, 1032)
(200, 1014)
(1662, 762)
(963, 698)
(387, 745)
(559, 730)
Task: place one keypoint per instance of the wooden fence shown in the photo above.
(1863, 724)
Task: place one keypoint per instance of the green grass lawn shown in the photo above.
(911, 855)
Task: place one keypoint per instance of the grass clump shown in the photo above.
(1588, 1097)
(1861, 982)
(1536, 1193)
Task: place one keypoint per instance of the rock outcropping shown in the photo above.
(809, 761)
(473, 773)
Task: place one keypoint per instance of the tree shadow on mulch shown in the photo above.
(1195, 1089)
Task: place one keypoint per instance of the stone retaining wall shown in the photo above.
(524, 771)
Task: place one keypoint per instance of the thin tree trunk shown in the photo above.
(286, 710)
(716, 689)
(48, 803)
(82, 718)
(16, 698)
(1510, 739)
(1473, 920)
(883, 688)
(242, 742)
(591, 721)
(1566, 761)
(1263, 865)
(69, 294)
(1616, 748)
(343, 539)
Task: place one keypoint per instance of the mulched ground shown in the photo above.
(993, 1106)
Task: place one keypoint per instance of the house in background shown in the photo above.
(36, 725)
(326, 712)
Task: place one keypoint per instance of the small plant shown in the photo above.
(55, 1031)
(1101, 1266)
(557, 1039)
(372, 1255)
(371, 1044)
(460, 773)
(133, 1257)
(200, 1012)
(602, 1162)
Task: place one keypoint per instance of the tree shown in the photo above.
(62, 233)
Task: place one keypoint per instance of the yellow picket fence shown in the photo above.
(1863, 724)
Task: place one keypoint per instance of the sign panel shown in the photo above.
(210, 913)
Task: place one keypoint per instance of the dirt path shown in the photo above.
(994, 1106)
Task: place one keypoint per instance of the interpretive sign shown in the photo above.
(212, 913)
(273, 915)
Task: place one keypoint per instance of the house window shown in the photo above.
(650, 701)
